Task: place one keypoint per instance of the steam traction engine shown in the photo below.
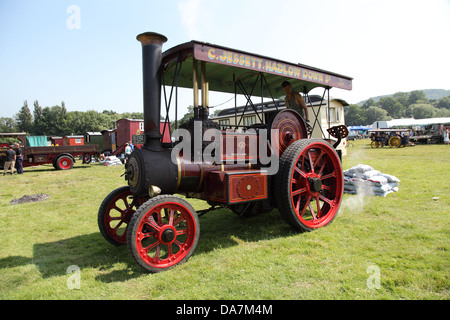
(246, 168)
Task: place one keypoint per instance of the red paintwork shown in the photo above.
(318, 161)
(236, 186)
(150, 241)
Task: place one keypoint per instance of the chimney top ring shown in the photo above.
(151, 38)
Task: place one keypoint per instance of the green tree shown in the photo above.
(398, 111)
(369, 103)
(355, 115)
(444, 103)
(37, 113)
(422, 111)
(415, 96)
(8, 125)
(401, 97)
(388, 104)
(24, 118)
(376, 114)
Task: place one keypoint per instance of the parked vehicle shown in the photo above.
(61, 157)
(249, 169)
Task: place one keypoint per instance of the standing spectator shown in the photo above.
(19, 159)
(9, 161)
(127, 152)
(446, 136)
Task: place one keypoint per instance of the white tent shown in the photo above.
(401, 123)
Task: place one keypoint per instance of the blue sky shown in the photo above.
(94, 63)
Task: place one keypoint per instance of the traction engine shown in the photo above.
(300, 176)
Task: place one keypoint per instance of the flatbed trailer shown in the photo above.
(61, 157)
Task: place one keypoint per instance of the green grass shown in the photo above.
(405, 235)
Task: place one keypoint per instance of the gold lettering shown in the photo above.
(223, 57)
(230, 57)
(236, 58)
(211, 54)
(247, 61)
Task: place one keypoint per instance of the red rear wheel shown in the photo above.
(64, 163)
(309, 185)
(164, 232)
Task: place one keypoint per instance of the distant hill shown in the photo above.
(431, 94)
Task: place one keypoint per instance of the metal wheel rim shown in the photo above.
(316, 208)
(152, 246)
(65, 163)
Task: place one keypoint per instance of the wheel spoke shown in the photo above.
(299, 171)
(319, 212)
(327, 176)
(118, 209)
(321, 168)
(306, 205)
(125, 201)
(298, 191)
(169, 251)
(311, 210)
(310, 161)
(171, 214)
(151, 221)
(325, 199)
(118, 225)
(319, 158)
(151, 246)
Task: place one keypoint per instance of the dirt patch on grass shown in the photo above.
(30, 198)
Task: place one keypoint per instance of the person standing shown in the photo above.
(19, 159)
(128, 151)
(295, 101)
(9, 161)
(446, 136)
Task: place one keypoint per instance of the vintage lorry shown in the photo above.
(61, 157)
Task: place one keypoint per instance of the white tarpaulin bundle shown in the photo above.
(363, 179)
(111, 161)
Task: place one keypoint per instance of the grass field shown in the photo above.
(393, 247)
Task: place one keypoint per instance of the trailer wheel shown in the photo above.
(163, 232)
(309, 185)
(115, 213)
(64, 162)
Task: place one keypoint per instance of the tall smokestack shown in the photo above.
(151, 72)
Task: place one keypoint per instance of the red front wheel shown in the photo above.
(163, 232)
(309, 185)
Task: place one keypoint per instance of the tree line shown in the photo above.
(412, 104)
(57, 121)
